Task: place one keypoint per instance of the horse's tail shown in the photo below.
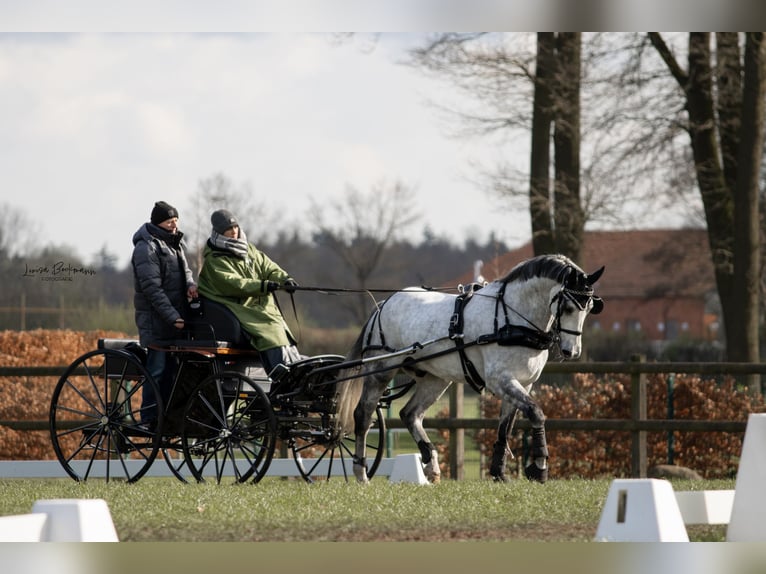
(350, 390)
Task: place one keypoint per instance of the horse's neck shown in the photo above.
(531, 299)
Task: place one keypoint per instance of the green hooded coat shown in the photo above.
(240, 284)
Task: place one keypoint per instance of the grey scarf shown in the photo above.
(237, 247)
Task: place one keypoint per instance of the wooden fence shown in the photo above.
(638, 424)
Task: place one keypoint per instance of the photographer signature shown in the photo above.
(59, 271)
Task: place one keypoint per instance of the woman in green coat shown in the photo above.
(235, 273)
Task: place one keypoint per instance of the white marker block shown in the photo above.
(22, 528)
(705, 506)
(748, 513)
(76, 520)
(408, 468)
(641, 510)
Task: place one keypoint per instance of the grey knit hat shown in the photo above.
(222, 220)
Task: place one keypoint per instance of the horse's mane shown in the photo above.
(555, 267)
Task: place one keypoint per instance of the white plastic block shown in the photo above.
(408, 468)
(22, 528)
(748, 513)
(76, 520)
(705, 506)
(641, 510)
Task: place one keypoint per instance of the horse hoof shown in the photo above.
(500, 478)
(432, 477)
(533, 472)
(360, 472)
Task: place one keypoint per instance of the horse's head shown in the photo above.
(570, 304)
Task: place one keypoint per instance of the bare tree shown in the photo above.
(636, 131)
(360, 227)
(517, 86)
(18, 237)
(219, 192)
(539, 157)
(569, 215)
(725, 106)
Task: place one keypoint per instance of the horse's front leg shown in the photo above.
(518, 398)
(363, 413)
(427, 391)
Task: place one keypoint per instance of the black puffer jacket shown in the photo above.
(162, 278)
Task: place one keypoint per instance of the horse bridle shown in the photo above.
(580, 298)
(575, 297)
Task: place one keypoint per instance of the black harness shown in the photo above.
(506, 336)
(509, 334)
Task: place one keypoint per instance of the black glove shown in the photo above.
(290, 285)
(271, 286)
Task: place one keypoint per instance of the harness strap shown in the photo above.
(368, 346)
(507, 335)
(470, 374)
(520, 336)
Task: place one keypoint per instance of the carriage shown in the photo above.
(226, 417)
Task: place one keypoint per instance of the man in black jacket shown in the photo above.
(163, 285)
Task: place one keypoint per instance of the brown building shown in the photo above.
(659, 282)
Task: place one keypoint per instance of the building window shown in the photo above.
(633, 325)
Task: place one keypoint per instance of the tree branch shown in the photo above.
(670, 60)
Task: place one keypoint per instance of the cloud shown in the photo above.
(100, 126)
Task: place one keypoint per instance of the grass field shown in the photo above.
(278, 510)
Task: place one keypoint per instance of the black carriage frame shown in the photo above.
(226, 423)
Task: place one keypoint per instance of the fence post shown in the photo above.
(671, 415)
(638, 413)
(456, 436)
(23, 312)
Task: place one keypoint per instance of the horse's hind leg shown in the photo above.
(500, 449)
(427, 391)
(374, 386)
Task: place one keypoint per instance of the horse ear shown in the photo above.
(593, 277)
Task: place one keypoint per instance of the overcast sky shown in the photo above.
(97, 127)
(108, 107)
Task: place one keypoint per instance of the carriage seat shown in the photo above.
(117, 343)
(217, 325)
(119, 367)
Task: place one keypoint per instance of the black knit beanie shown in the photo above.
(163, 211)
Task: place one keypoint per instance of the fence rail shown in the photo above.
(638, 424)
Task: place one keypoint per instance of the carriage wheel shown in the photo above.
(229, 429)
(94, 418)
(320, 455)
(172, 452)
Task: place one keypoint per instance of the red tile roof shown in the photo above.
(654, 263)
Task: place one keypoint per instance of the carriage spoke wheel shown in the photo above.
(172, 452)
(95, 416)
(321, 455)
(228, 430)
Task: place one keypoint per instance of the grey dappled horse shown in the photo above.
(497, 335)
